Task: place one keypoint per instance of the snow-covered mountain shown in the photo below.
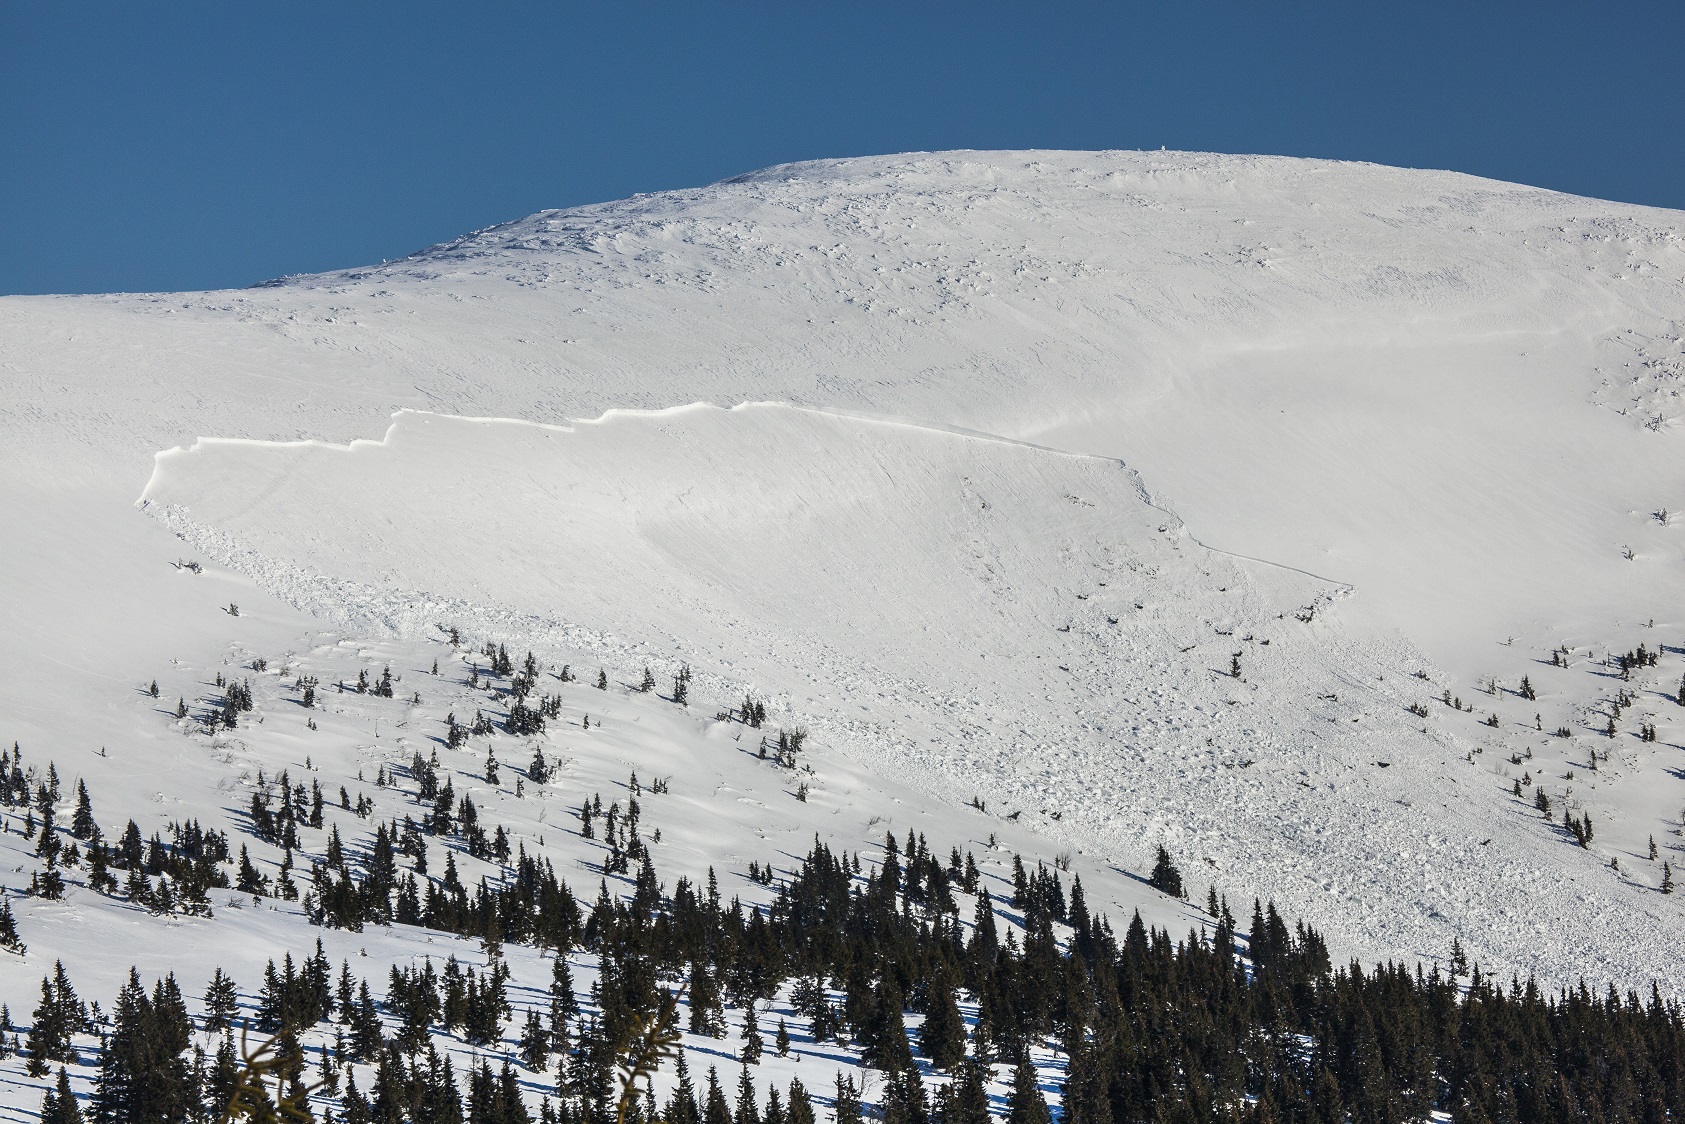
(1149, 498)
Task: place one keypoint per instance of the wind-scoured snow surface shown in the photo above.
(1034, 443)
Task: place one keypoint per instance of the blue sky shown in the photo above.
(152, 146)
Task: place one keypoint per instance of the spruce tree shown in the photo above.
(1025, 1104)
(968, 1099)
(54, 1021)
(219, 1083)
(751, 1052)
(535, 1043)
(9, 939)
(799, 1107)
(143, 1076)
(748, 1110)
(1084, 1094)
(60, 1106)
(1165, 877)
(681, 1106)
(367, 1035)
(353, 1106)
(942, 1037)
(884, 1043)
(564, 1005)
(846, 1107)
(715, 1110)
(984, 939)
(82, 824)
(704, 997)
(904, 1100)
(390, 1102)
(222, 1002)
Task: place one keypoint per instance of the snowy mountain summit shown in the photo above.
(1312, 522)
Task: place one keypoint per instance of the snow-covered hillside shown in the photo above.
(1006, 457)
(1378, 374)
(703, 791)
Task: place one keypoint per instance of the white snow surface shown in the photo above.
(981, 464)
(1378, 374)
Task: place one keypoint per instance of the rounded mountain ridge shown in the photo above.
(840, 195)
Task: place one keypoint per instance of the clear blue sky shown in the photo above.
(202, 145)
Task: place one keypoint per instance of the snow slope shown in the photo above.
(1443, 409)
(723, 807)
(970, 615)
(1374, 373)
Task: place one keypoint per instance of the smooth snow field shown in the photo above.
(986, 467)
